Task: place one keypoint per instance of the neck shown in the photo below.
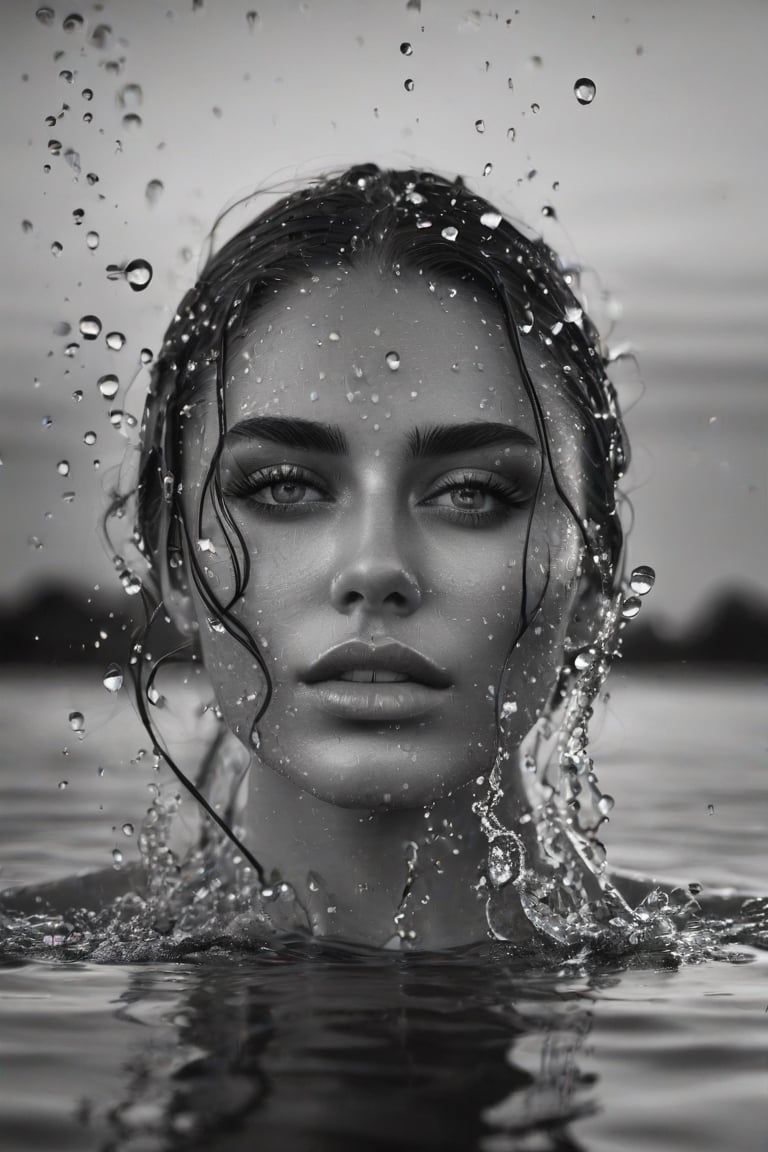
(416, 875)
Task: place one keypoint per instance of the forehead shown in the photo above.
(357, 347)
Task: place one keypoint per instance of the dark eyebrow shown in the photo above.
(435, 440)
(293, 432)
(444, 439)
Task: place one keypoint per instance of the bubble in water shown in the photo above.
(108, 386)
(56, 248)
(72, 22)
(45, 15)
(92, 240)
(449, 233)
(63, 467)
(480, 125)
(117, 856)
(77, 721)
(406, 48)
(630, 607)
(115, 340)
(90, 326)
(393, 361)
(154, 191)
(138, 274)
(127, 828)
(584, 90)
(113, 678)
(408, 85)
(642, 579)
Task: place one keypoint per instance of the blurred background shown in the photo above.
(128, 126)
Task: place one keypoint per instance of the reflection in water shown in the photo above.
(307, 1046)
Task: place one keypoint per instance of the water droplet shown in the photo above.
(393, 361)
(78, 216)
(487, 169)
(77, 721)
(56, 248)
(113, 678)
(73, 159)
(71, 350)
(605, 804)
(121, 420)
(26, 225)
(253, 20)
(63, 784)
(87, 94)
(408, 85)
(87, 117)
(548, 211)
(642, 579)
(92, 178)
(138, 274)
(68, 497)
(449, 233)
(527, 326)
(115, 340)
(89, 438)
(54, 147)
(66, 75)
(130, 96)
(45, 15)
(584, 90)
(154, 191)
(127, 828)
(535, 107)
(406, 48)
(63, 467)
(630, 607)
(46, 421)
(583, 659)
(108, 386)
(334, 336)
(508, 708)
(131, 121)
(34, 542)
(72, 22)
(117, 856)
(480, 125)
(92, 240)
(711, 809)
(490, 219)
(573, 314)
(130, 582)
(146, 356)
(90, 326)
(77, 395)
(511, 134)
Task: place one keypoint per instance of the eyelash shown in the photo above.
(511, 495)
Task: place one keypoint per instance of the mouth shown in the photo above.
(376, 681)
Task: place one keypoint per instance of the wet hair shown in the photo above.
(403, 222)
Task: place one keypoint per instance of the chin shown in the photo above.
(361, 779)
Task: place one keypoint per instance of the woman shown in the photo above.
(377, 496)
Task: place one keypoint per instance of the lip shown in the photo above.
(382, 656)
(382, 702)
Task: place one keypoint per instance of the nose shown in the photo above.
(376, 577)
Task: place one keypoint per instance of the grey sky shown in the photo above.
(661, 187)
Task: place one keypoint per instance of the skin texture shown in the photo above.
(377, 545)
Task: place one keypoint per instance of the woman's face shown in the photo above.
(382, 465)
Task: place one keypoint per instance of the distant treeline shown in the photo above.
(56, 628)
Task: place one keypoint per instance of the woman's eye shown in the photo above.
(471, 500)
(285, 492)
(475, 499)
(272, 490)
